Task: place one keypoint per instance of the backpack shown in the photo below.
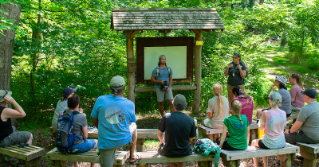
(205, 147)
(168, 69)
(64, 133)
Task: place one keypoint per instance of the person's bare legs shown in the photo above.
(265, 161)
(255, 160)
(171, 106)
(94, 148)
(211, 137)
(30, 140)
(282, 159)
(180, 164)
(75, 164)
(133, 146)
(161, 108)
(258, 114)
(176, 164)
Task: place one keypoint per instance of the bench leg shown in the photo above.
(2, 160)
(309, 159)
(235, 163)
(285, 160)
(205, 163)
(34, 162)
(141, 165)
(60, 163)
(139, 145)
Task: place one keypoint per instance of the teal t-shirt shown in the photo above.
(237, 131)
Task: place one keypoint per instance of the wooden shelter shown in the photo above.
(132, 21)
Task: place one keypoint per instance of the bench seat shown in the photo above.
(232, 158)
(153, 157)
(31, 155)
(60, 159)
(310, 153)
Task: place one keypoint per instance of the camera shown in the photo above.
(164, 87)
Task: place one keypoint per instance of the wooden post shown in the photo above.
(198, 71)
(130, 57)
(139, 144)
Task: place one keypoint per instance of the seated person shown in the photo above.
(178, 128)
(247, 104)
(307, 121)
(80, 128)
(297, 101)
(273, 122)
(218, 110)
(62, 105)
(280, 83)
(8, 135)
(237, 127)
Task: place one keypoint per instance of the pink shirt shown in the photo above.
(295, 93)
(247, 107)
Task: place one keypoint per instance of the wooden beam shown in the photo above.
(198, 71)
(197, 32)
(174, 88)
(134, 33)
(130, 75)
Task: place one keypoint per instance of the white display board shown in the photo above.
(176, 59)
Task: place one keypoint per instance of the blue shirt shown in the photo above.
(114, 116)
(162, 75)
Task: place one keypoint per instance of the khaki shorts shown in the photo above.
(230, 88)
(161, 95)
(20, 137)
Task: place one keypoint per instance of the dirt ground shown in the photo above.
(43, 139)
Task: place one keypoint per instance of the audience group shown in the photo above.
(114, 116)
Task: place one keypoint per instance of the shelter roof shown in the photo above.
(165, 19)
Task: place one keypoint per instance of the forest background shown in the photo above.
(69, 43)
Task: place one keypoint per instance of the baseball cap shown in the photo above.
(4, 93)
(117, 81)
(68, 91)
(180, 100)
(310, 92)
(281, 79)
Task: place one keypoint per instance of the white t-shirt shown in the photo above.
(215, 121)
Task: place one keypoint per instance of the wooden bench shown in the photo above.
(232, 158)
(310, 153)
(30, 155)
(142, 134)
(207, 131)
(153, 157)
(59, 160)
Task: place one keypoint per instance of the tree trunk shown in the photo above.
(36, 45)
(284, 40)
(6, 45)
(6, 48)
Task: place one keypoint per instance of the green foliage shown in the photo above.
(79, 49)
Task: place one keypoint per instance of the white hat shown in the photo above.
(281, 79)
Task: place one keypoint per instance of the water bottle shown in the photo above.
(195, 122)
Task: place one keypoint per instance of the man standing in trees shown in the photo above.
(114, 116)
(162, 76)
